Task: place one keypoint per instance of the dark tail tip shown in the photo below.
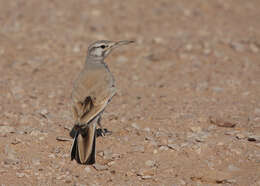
(73, 132)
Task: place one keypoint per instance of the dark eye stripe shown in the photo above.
(103, 46)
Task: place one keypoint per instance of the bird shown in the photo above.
(92, 90)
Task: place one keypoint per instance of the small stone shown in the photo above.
(87, 169)
(158, 40)
(44, 112)
(174, 147)
(182, 182)
(146, 129)
(240, 136)
(146, 172)
(257, 111)
(96, 12)
(206, 51)
(61, 177)
(163, 148)
(155, 151)
(111, 163)
(129, 173)
(196, 129)
(51, 156)
(101, 153)
(253, 47)
(63, 138)
(76, 49)
(254, 138)
(99, 167)
(16, 141)
(107, 155)
(146, 177)
(237, 151)
(20, 175)
(217, 89)
(150, 163)
(35, 133)
(67, 181)
(239, 47)
(134, 125)
(233, 168)
(116, 156)
(135, 77)
(200, 139)
(188, 47)
(6, 129)
(36, 162)
(138, 148)
(221, 122)
(11, 157)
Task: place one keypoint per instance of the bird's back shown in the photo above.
(94, 81)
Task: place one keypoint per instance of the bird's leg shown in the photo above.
(101, 131)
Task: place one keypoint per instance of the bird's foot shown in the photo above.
(103, 132)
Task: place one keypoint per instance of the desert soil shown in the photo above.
(187, 109)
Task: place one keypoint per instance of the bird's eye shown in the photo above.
(103, 46)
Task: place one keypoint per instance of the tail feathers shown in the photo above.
(84, 145)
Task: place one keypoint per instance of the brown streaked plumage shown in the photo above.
(92, 91)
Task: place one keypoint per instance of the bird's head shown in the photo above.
(101, 49)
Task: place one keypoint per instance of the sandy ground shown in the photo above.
(187, 110)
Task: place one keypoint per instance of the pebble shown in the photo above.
(146, 172)
(158, 40)
(257, 110)
(16, 141)
(233, 168)
(35, 133)
(239, 47)
(188, 47)
(174, 147)
(129, 173)
(217, 89)
(240, 136)
(21, 175)
(10, 155)
(206, 51)
(111, 163)
(87, 169)
(116, 156)
(254, 138)
(51, 156)
(135, 126)
(146, 177)
(150, 163)
(253, 47)
(99, 167)
(146, 129)
(195, 129)
(107, 154)
(6, 129)
(138, 148)
(163, 148)
(44, 112)
(76, 49)
(36, 162)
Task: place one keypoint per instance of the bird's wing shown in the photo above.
(92, 91)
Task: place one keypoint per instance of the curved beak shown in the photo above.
(119, 43)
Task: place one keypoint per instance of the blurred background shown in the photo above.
(187, 110)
